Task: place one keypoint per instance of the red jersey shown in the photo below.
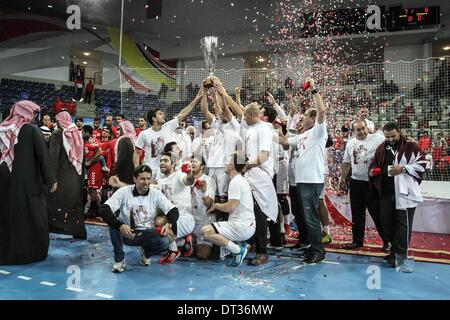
(97, 134)
(94, 171)
(138, 132)
(90, 87)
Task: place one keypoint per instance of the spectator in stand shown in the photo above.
(424, 142)
(363, 114)
(58, 105)
(79, 88)
(78, 72)
(288, 84)
(403, 121)
(429, 166)
(71, 72)
(163, 91)
(79, 123)
(444, 165)
(88, 92)
(439, 146)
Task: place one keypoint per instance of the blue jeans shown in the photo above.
(308, 196)
(148, 239)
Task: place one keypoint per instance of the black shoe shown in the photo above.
(352, 246)
(314, 258)
(389, 256)
(391, 261)
(307, 254)
(386, 247)
(300, 246)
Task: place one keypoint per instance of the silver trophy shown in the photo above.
(209, 46)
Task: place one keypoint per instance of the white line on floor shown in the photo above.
(46, 283)
(101, 295)
(330, 262)
(74, 289)
(4, 272)
(24, 278)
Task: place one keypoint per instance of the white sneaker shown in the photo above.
(105, 168)
(144, 261)
(119, 267)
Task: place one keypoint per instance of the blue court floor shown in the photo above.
(82, 270)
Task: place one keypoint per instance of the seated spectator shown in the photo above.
(424, 142)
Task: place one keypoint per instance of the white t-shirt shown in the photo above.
(309, 158)
(259, 138)
(225, 139)
(143, 208)
(202, 146)
(184, 142)
(198, 208)
(153, 142)
(239, 189)
(175, 190)
(359, 153)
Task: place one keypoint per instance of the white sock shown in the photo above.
(173, 246)
(282, 230)
(233, 247)
(180, 242)
(326, 229)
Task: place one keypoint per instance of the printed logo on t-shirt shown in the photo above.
(140, 215)
(359, 154)
(157, 146)
(302, 143)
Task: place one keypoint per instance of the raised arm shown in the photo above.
(320, 106)
(238, 97)
(237, 110)
(281, 114)
(204, 106)
(183, 113)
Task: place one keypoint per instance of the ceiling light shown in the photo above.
(442, 58)
(446, 48)
(84, 62)
(50, 6)
(87, 54)
(260, 59)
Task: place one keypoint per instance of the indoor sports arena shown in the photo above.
(224, 150)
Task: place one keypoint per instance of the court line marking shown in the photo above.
(102, 295)
(46, 283)
(74, 289)
(24, 278)
(4, 272)
(330, 262)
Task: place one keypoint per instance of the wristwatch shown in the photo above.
(314, 91)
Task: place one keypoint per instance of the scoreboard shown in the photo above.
(405, 18)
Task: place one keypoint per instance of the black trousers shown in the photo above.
(297, 211)
(397, 224)
(87, 97)
(260, 236)
(362, 197)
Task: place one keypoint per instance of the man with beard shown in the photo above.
(396, 172)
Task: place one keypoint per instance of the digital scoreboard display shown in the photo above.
(413, 17)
